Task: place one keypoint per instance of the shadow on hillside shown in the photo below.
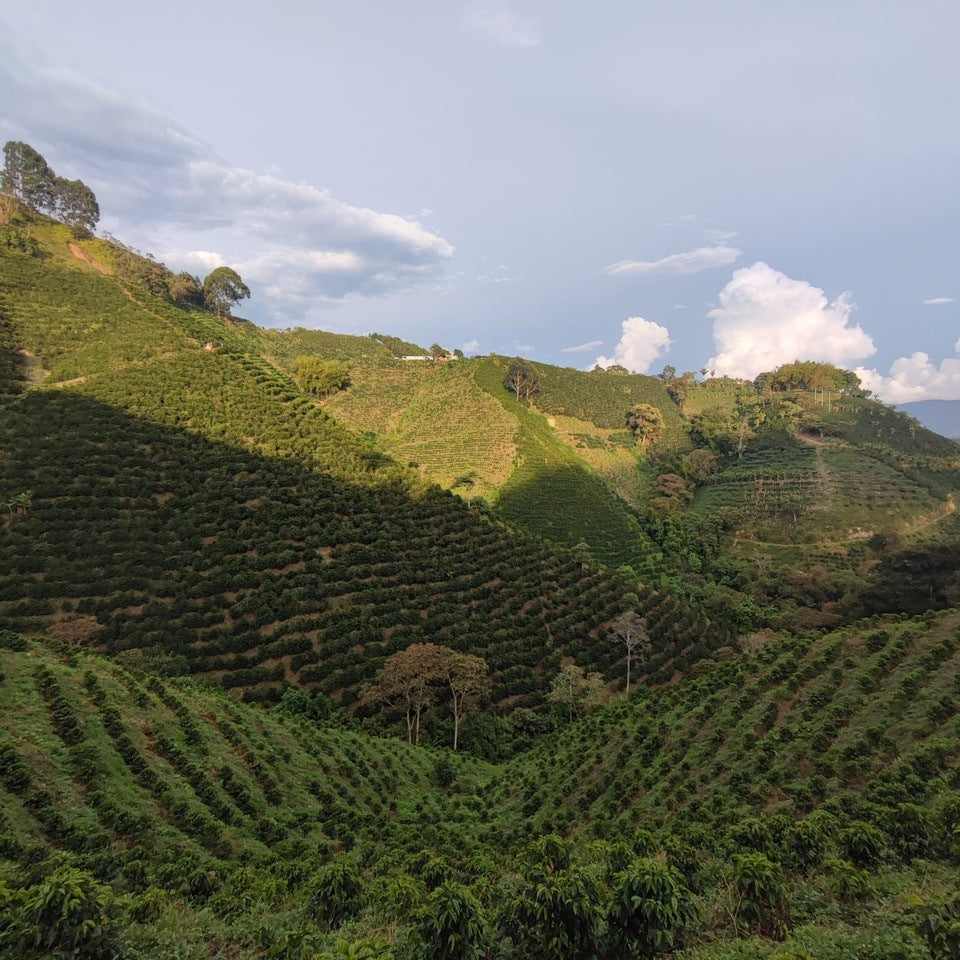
(569, 506)
(191, 555)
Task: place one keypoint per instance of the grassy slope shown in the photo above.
(434, 416)
(553, 492)
(604, 399)
(120, 767)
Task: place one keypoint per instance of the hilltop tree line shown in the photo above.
(29, 178)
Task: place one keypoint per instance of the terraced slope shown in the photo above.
(149, 781)
(191, 509)
(604, 399)
(864, 722)
(807, 794)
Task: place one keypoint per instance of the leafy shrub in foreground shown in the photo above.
(335, 891)
(762, 895)
(451, 924)
(68, 914)
(649, 909)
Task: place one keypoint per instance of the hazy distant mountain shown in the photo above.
(942, 416)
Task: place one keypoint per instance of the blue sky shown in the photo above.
(723, 186)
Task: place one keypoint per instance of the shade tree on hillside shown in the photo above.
(76, 205)
(646, 423)
(576, 690)
(423, 674)
(222, 288)
(630, 629)
(521, 380)
(27, 176)
(809, 375)
(186, 288)
(468, 678)
(679, 388)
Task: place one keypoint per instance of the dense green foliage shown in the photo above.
(159, 809)
(27, 176)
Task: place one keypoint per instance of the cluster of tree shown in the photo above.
(810, 375)
(321, 377)
(219, 291)
(521, 379)
(29, 178)
(423, 674)
(678, 387)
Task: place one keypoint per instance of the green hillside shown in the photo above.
(851, 721)
(806, 794)
(191, 509)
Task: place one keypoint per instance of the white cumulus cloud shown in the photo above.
(642, 342)
(677, 264)
(766, 318)
(504, 26)
(916, 378)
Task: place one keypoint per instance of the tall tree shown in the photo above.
(647, 423)
(409, 680)
(185, 288)
(576, 689)
(630, 629)
(76, 205)
(222, 289)
(467, 676)
(521, 380)
(27, 176)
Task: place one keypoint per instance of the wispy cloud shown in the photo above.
(938, 301)
(641, 343)
(678, 264)
(504, 26)
(163, 187)
(766, 318)
(583, 347)
(720, 236)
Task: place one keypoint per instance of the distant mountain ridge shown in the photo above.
(941, 416)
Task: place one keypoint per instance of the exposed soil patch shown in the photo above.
(81, 254)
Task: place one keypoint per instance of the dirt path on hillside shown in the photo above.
(82, 254)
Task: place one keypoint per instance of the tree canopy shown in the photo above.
(222, 289)
(647, 424)
(29, 178)
(521, 380)
(321, 377)
(417, 677)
